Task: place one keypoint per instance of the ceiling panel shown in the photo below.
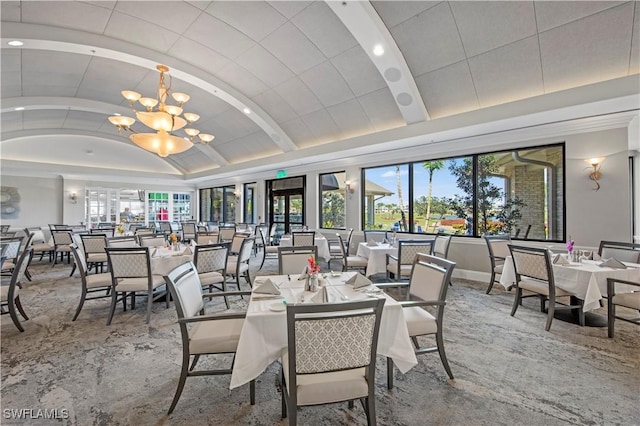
(67, 14)
(249, 147)
(289, 9)
(298, 96)
(275, 106)
(172, 15)
(298, 132)
(358, 71)
(256, 19)
(293, 48)
(55, 91)
(430, 40)
(265, 66)
(242, 80)
(10, 11)
(150, 35)
(382, 109)
(196, 54)
(321, 25)
(634, 62)
(236, 123)
(508, 73)
(321, 125)
(589, 50)
(395, 12)
(350, 119)
(448, 91)
(84, 120)
(489, 24)
(219, 36)
(551, 14)
(327, 84)
(44, 119)
(11, 121)
(55, 68)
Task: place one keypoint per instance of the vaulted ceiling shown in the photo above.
(305, 71)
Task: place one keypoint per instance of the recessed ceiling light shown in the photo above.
(117, 113)
(15, 43)
(246, 110)
(378, 50)
(19, 108)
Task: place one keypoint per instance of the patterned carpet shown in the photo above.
(508, 370)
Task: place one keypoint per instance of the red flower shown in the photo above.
(314, 268)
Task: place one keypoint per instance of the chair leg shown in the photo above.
(493, 277)
(14, 316)
(252, 392)
(149, 306)
(73, 269)
(551, 310)
(516, 301)
(369, 406)
(283, 398)
(181, 382)
(611, 315)
(443, 355)
(82, 299)
(389, 373)
(194, 362)
(114, 301)
(20, 309)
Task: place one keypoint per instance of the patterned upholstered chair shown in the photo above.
(292, 260)
(94, 254)
(91, 284)
(10, 252)
(624, 252)
(534, 274)
(238, 266)
(339, 368)
(188, 231)
(629, 301)
(498, 246)
(211, 263)
(9, 293)
(210, 334)
(267, 249)
(400, 266)
(131, 274)
(226, 233)
(428, 286)
(62, 244)
(377, 236)
(303, 238)
(152, 240)
(351, 262)
(207, 237)
(123, 242)
(441, 246)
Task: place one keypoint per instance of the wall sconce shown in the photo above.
(348, 187)
(73, 198)
(237, 195)
(595, 174)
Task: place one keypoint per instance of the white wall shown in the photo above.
(41, 201)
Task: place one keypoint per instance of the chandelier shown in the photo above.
(164, 120)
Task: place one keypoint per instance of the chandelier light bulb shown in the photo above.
(148, 102)
(191, 117)
(192, 132)
(181, 98)
(173, 110)
(206, 138)
(130, 95)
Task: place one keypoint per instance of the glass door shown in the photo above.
(286, 210)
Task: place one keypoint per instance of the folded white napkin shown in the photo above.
(358, 281)
(193, 243)
(155, 252)
(613, 263)
(371, 243)
(267, 287)
(560, 259)
(187, 251)
(303, 274)
(320, 296)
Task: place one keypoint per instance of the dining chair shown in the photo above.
(236, 243)
(131, 274)
(534, 274)
(427, 287)
(268, 251)
(330, 356)
(226, 234)
(400, 265)
(211, 263)
(210, 334)
(61, 241)
(120, 242)
(91, 284)
(626, 300)
(377, 236)
(351, 262)
(303, 238)
(9, 293)
(152, 240)
(624, 252)
(498, 246)
(238, 266)
(207, 237)
(441, 246)
(292, 260)
(10, 251)
(188, 231)
(106, 231)
(94, 254)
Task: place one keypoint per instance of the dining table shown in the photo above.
(165, 259)
(319, 241)
(263, 338)
(586, 280)
(376, 256)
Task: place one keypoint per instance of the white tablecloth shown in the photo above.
(319, 241)
(376, 256)
(164, 260)
(264, 333)
(587, 281)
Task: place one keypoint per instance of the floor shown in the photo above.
(508, 370)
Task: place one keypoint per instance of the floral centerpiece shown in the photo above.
(312, 274)
(173, 240)
(570, 244)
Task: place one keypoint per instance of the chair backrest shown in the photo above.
(188, 230)
(236, 242)
(54, 227)
(107, 232)
(105, 225)
(377, 236)
(333, 337)
(207, 237)
(498, 246)
(81, 262)
(210, 257)
(441, 246)
(129, 262)
(11, 247)
(263, 237)
(242, 226)
(624, 252)
(93, 243)
(291, 260)
(408, 250)
(303, 238)
(19, 271)
(165, 227)
(226, 233)
(122, 242)
(186, 290)
(430, 278)
(152, 240)
(61, 238)
(38, 235)
(244, 254)
(532, 262)
(347, 243)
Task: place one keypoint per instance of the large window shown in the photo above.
(181, 207)
(519, 192)
(332, 200)
(250, 192)
(218, 205)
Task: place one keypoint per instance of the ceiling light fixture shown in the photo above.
(15, 43)
(378, 50)
(246, 111)
(18, 108)
(162, 118)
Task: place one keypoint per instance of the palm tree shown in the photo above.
(399, 185)
(431, 167)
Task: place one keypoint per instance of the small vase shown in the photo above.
(312, 283)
